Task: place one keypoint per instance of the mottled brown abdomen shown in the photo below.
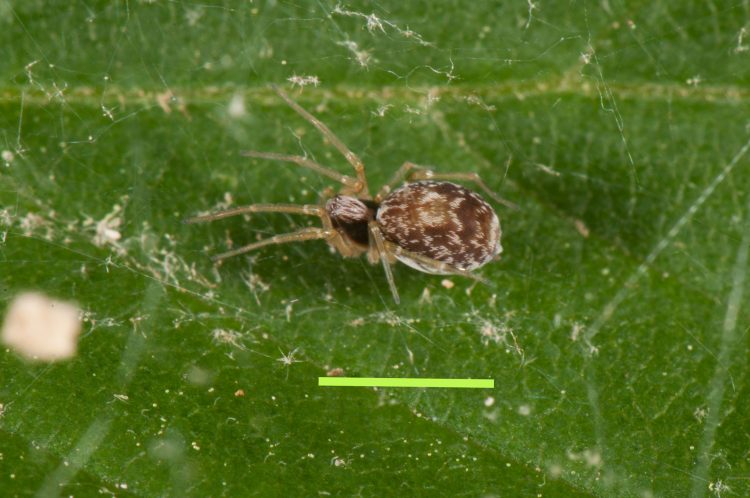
(442, 221)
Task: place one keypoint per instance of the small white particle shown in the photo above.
(8, 156)
(448, 284)
(237, 106)
(489, 401)
(582, 228)
(524, 410)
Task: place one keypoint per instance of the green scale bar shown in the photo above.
(404, 382)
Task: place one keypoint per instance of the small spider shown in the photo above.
(434, 226)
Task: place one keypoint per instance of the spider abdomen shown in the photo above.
(441, 221)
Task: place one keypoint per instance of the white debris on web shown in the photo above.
(108, 228)
(741, 46)
(32, 222)
(363, 57)
(431, 98)
(302, 81)
(381, 110)
(700, 413)
(426, 297)
(496, 331)
(255, 284)
(193, 16)
(288, 359)
(108, 112)
(392, 319)
(38, 327)
(575, 331)
(532, 7)
(718, 487)
(585, 57)
(477, 101)
(375, 24)
(547, 169)
(694, 81)
(226, 336)
(8, 157)
(166, 100)
(590, 457)
(5, 217)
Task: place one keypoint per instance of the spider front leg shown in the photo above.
(310, 233)
(424, 173)
(307, 209)
(348, 182)
(351, 157)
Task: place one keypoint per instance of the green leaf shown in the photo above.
(614, 326)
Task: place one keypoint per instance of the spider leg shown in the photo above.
(423, 173)
(307, 209)
(350, 156)
(380, 245)
(397, 177)
(438, 267)
(309, 233)
(305, 163)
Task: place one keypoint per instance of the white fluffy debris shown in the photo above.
(40, 328)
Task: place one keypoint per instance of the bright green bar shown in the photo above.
(404, 382)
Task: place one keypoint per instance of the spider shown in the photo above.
(430, 224)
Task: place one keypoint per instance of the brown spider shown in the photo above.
(436, 227)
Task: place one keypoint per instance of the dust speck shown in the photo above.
(582, 228)
(448, 284)
(237, 106)
(335, 372)
(41, 328)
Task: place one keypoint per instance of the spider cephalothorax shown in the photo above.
(433, 226)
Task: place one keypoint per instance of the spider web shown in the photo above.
(614, 325)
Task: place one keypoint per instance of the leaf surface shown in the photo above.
(614, 325)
